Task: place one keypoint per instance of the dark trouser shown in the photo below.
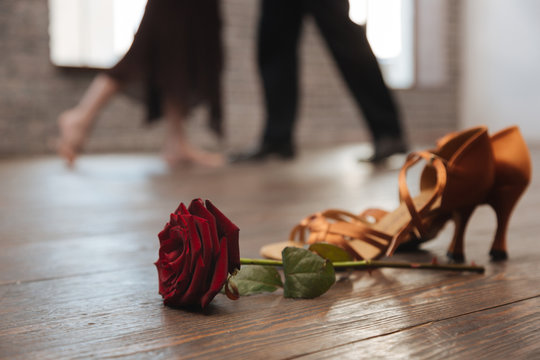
(279, 31)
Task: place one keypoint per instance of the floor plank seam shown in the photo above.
(413, 327)
(18, 282)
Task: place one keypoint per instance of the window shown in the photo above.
(92, 33)
(96, 33)
(389, 28)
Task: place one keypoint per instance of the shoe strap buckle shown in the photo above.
(434, 157)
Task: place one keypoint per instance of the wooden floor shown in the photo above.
(77, 278)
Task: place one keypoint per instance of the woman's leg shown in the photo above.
(76, 122)
(177, 149)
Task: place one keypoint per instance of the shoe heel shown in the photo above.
(461, 218)
(503, 202)
(512, 176)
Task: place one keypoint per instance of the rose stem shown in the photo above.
(267, 262)
(370, 264)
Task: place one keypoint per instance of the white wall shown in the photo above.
(500, 79)
(432, 54)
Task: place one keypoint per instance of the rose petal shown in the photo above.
(197, 208)
(174, 274)
(174, 220)
(173, 264)
(226, 228)
(195, 243)
(197, 286)
(174, 293)
(182, 210)
(219, 277)
(203, 231)
(199, 269)
(173, 247)
(164, 234)
(204, 266)
(174, 290)
(168, 269)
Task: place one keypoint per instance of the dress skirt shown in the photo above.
(177, 54)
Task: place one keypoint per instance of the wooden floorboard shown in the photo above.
(77, 279)
(477, 335)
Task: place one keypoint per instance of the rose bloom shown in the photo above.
(198, 249)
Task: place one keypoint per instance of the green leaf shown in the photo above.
(331, 252)
(307, 275)
(255, 279)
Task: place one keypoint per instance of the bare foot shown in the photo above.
(207, 159)
(174, 156)
(73, 131)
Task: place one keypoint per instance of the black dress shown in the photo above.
(177, 54)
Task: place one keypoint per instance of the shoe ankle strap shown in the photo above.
(439, 164)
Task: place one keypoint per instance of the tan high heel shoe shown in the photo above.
(458, 175)
(512, 175)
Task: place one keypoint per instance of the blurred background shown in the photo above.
(452, 64)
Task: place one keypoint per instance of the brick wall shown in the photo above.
(33, 92)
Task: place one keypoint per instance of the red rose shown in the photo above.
(198, 248)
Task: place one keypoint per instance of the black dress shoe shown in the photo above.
(266, 151)
(386, 147)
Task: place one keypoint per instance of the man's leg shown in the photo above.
(277, 59)
(350, 48)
